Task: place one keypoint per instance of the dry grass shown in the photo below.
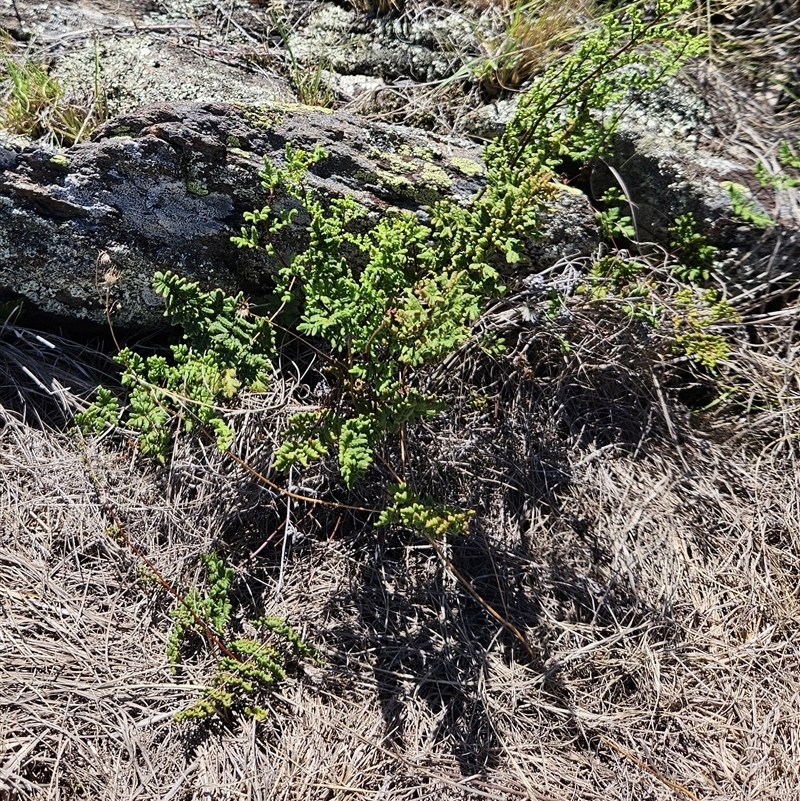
(650, 558)
(751, 78)
(519, 38)
(45, 377)
(764, 35)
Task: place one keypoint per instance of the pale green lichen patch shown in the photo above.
(398, 184)
(435, 177)
(394, 162)
(244, 154)
(270, 116)
(121, 130)
(467, 167)
(60, 160)
(195, 187)
(302, 107)
(424, 153)
(233, 142)
(262, 116)
(411, 176)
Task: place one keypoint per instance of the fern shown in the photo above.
(224, 348)
(783, 179)
(307, 437)
(290, 635)
(213, 608)
(250, 666)
(575, 106)
(694, 334)
(434, 520)
(744, 207)
(356, 445)
(694, 253)
(386, 302)
(103, 412)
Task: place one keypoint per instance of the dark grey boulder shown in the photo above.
(165, 187)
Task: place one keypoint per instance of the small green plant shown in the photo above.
(103, 412)
(692, 250)
(612, 276)
(422, 515)
(627, 282)
(225, 347)
(693, 327)
(31, 93)
(237, 681)
(249, 666)
(684, 317)
(614, 223)
(787, 158)
(212, 608)
(744, 207)
(292, 638)
(788, 161)
(311, 84)
(36, 105)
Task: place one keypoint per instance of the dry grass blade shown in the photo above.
(525, 36)
(47, 375)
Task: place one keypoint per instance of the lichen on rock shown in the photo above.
(170, 192)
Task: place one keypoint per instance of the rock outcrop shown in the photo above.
(669, 158)
(82, 231)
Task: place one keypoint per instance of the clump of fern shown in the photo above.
(385, 319)
(409, 306)
(224, 349)
(696, 326)
(248, 666)
(694, 253)
(425, 283)
(684, 318)
(197, 612)
(575, 106)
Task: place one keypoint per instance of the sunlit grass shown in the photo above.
(34, 104)
(528, 33)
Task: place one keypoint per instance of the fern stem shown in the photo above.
(111, 514)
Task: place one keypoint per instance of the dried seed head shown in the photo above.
(105, 265)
